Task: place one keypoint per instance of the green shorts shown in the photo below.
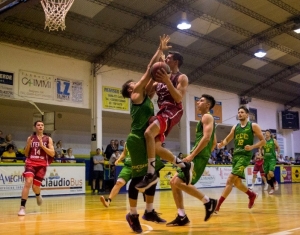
(125, 174)
(200, 163)
(269, 165)
(239, 163)
(136, 145)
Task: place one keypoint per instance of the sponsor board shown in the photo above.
(58, 180)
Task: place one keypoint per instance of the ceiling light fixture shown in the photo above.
(297, 28)
(184, 24)
(260, 53)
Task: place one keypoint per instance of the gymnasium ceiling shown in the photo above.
(218, 48)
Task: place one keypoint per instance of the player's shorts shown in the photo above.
(125, 174)
(258, 168)
(239, 163)
(269, 165)
(200, 163)
(36, 172)
(167, 116)
(136, 145)
(98, 175)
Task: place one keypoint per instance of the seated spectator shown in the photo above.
(292, 161)
(220, 156)
(9, 153)
(58, 151)
(180, 156)
(8, 140)
(297, 161)
(280, 160)
(70, 155)
(121, 146)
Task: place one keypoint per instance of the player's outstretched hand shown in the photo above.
(164, 40)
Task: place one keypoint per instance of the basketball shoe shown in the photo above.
(252, 199)
(153, 216)
(39, 200)
(179, 221)
(21, 211)
(134, 223)
(148, 180)
(188, 172)
(210, 208)
(271, 191)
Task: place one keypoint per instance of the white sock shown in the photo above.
(133, 211)
(149, 207)
(177, 162)
(151, 165)
(181, 212)
(205, 199)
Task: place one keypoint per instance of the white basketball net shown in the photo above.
(55, 12)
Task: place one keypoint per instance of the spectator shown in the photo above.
(292, 160)
(70, 155)
(8, 140)
(98, 172)
(109, 150)
(121, 146)
(59, 151)
(180, 156)
(220, 156)
(280, 159)
(116, 144)
(9, 153)
(112, 161)
(211, 160)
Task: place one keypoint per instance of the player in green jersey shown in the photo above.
(199, 155)
(243, 135)
(123, 177)
(141, 109)
(269, 152)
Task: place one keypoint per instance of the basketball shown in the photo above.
(159, 65)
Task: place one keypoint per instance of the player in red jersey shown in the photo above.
(258, 167)
(39, 152)
(170, 89)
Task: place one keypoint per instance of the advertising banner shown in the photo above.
(112, 99)
(285, 174)
(166, 174)
(58, 180)
(216, 111)
(6, 84)
(69, 90)
(296, 174)
(36, 85)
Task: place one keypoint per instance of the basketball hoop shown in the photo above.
(55, 12)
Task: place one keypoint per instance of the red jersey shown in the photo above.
(259, 161)
(37, 156)
(164, 96)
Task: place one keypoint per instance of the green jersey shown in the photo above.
(127, 160)
(206, 151)
(140, 114)
(269, 149)
(243, 136)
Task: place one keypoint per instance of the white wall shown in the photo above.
(13, 59)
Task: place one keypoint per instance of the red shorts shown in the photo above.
(258, 168)
(36, 172)
(167, 116)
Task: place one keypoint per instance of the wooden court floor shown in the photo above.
(277, 214)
